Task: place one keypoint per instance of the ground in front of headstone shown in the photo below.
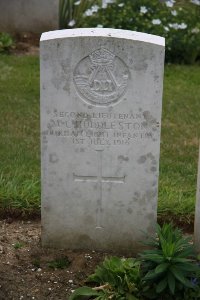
(27, 271)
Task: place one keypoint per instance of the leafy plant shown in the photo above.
(117, 279)
(176, 20)
(59, 263)
(71, 12)
(168, 268)
(18, 245)
(6, 42)
(36, 262)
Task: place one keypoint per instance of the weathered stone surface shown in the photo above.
(101, 92)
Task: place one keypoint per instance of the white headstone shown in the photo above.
(101, 95)
(197, 210)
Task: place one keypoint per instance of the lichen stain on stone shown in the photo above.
(142, 159)
(47, 208)
(53, 158)
(129, 210)
(154, 207)
(150, 216)
(65, 64)
(139, 213)
(154, 183)
(148, 157)
(57, 81)
(123, 158)
(156, 77)
(153, 169)
(141, 66)
(149, 118)
(142, 201)
(53, 172)
(135, 198)
(45, 57)
(120, 204)
(145, 124)
(151, 194)
(44, 136)
(137, 194)
(67, 87)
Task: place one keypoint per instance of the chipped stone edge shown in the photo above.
(103, 32)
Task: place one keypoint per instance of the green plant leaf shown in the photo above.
(188, 267)
(181, 260)
(171, 282)
(151, 275)
(161, 268)
(161, 285)
(82, 292)
(180, 277)
(157, 258)
(121, 276)
(186, 252)
(59, 263)
(131, 297)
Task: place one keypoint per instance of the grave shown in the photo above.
(101, 98)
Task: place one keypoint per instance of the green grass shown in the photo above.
(179, 142)
(19, 130)
(59, 263)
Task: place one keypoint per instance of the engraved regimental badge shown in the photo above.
(101, 78)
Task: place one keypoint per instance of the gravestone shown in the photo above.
(101, 95)
(197, 210)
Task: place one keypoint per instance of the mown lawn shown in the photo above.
(180, 139)
(19, 130)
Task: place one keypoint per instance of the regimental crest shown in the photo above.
(101, 78)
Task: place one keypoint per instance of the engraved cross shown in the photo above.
(99, 179)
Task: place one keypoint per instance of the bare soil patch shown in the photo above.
(26, 44)
(28, 271)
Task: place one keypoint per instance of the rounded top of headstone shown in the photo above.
(103, 32)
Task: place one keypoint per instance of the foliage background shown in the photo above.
(178, 21)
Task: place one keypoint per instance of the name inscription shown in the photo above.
(116, 129)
